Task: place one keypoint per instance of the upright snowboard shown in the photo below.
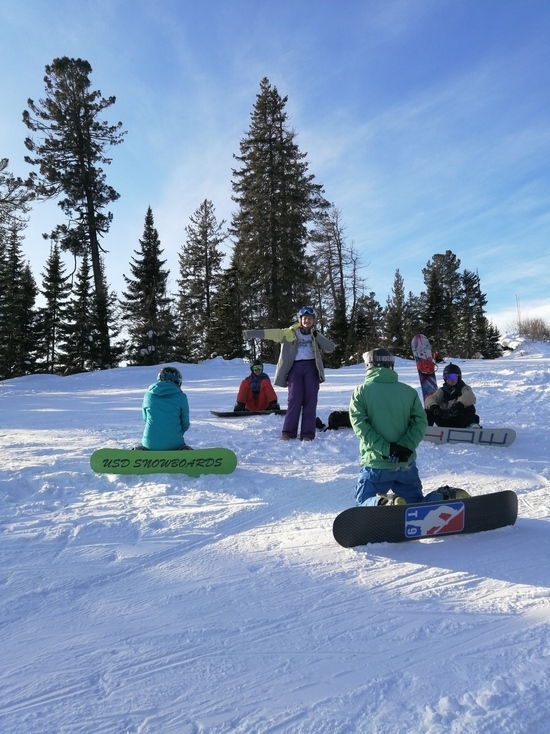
(425, 364)
(477, 436)
(246, 413)
(193, 462)
(396, 523)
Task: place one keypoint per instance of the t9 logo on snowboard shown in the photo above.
(434, 519)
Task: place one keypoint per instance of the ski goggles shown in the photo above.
(450, 376)
(307, 311)
(258, 368)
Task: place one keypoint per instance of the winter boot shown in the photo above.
(452, 493)
(390, 499)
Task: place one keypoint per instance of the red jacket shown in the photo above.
(265, 396)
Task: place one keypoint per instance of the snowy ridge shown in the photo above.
(168, 604)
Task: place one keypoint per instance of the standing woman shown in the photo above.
(300, 367)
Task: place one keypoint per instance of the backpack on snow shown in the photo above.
(338, 419)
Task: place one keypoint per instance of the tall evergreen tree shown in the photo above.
(412, 319)
(14, 199)
(394, 319)
(146, 303)
(277, 202)
(200, 261)
(70, 154)
(475, 336)
(51, 325)
(17, 308)
(440, 299)
(80, 347)
(368, 326)
(226, 327)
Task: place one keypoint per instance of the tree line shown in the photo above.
(287, 248)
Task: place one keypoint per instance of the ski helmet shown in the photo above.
(379, 358)
(307, 311)
(170, 374)
(452, 369)
(257, 363)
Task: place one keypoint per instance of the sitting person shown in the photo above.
(256, 391)
(165, 410)
(452, 406)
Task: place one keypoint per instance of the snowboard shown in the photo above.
(425, 364)
(193, 462)
(477, 436)
(246, 413)
(397, 523)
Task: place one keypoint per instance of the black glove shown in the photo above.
(274, 405)
(239, 408)
(401, 453)
(436, 411)
(456, 409)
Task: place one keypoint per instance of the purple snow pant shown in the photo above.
(303, 388)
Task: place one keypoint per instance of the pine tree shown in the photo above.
(277, 202)
(368, 326)
(17, 308)
(200, 272)
(440, 300)
(226, 327)
(146, 304)
(70, 154)
(412, 320)
(79, 352)
(14, 199)
(394, 319)
(475, 335)
(53, 317)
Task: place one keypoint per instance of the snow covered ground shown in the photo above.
(164, 604)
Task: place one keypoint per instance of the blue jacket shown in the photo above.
(165, 410)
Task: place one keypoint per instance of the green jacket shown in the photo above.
(383, 411)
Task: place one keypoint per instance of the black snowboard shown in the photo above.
(396, 523)
(246, 413)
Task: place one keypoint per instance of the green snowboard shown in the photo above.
(193, 462)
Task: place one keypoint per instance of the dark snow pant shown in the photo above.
(463, 420)
(303, 388)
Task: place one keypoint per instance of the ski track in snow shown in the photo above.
(170, 604)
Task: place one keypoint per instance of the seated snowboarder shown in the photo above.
(165, 411)
(452, 406)
(256, 391)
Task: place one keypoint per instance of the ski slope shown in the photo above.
(164, 604)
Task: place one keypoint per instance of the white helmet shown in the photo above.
(379, 358)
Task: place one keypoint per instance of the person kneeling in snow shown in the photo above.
(452, 406)
(256, 391)
(389, 420)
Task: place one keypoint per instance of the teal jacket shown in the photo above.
(383, 411)
(165, 410)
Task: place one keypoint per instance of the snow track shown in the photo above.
(222, 604)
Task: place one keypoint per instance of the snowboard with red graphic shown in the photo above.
(425, 364)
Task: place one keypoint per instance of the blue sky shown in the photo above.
(426, 121)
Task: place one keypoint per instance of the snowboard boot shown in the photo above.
(386, 499)
(452, 493)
